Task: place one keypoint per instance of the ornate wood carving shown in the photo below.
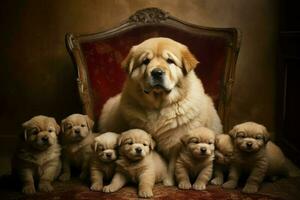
(148, 16)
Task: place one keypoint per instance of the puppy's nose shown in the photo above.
(108, 155)
(77, 131)
(249, 144)
(203, 149)
(157, 73)
(45, 138)
(138, 149)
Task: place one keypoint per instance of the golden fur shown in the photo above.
(223, 157)
(195, 159)
(102, 164)
(166, 107)
(138, 163)
(38, 154)
(256, 155)
(76, 139)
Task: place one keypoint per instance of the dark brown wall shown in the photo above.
(37, 76)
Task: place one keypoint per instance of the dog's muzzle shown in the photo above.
(156, 81)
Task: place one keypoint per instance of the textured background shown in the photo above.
(37, 75)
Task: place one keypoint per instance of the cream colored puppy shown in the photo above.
(76, 139)
(195, 160)
(102, 165)
(162, 95)
(223, 157)
(138, 163)
(38, 154)
(256, 155)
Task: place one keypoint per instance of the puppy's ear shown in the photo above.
(89, 122)
(129, 62)
(57, 127)
(120, 140)
(25, 127)
(152, 144)
(188, 59)
(266, 135)
(94, 146)
(62, 125)
(233, 132)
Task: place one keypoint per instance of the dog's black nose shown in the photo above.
(138, 149)
(157, 73)
(249, 144)
(108, 155)
(203, 149)
(77, 131)
(45, 139)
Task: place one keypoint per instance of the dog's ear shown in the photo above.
(94, 146)
(120, 140)
(62, 125)
(152, 144)
(57, 127)
(89, 122)
(24, 133)
(188, 59)
(129, 62)
(232, 133)
(266, 135)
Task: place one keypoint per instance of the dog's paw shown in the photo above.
(185, 185)
(64, 177)
(145, 193)
(199, 186)
(45, 187)
(96, 187)
(250, 188)
(230, 185)
(109, 189)
(28, 189)
(217, 181)
(168, 181)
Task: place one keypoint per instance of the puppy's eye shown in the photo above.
(50, 130)
(34, 131)
(241, 134)
(210, 142)
(170, 61)
(69, 126)
(145, 144)
(258, 137)
(130, 143)
(146, 61)
(82, 125)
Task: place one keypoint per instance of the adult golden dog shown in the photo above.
(162, 95)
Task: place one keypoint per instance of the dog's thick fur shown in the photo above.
(223, 156)
(76, 139)
(138, 163)
(256, 155)
(102, 164)
(167, 106)
(195, 159)
(38, 154)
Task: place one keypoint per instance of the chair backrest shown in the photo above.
(98, 57)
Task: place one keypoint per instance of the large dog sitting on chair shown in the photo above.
(161, 95)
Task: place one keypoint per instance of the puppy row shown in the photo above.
(130, 156)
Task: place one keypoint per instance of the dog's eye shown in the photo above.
(69, 126)
(34, 131)
(170, 61)
(50, 130)
(258, 137)
(209, 142)
(130, 143)
(146, 61)
(82, 125)
(145, 144)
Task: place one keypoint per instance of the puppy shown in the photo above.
(195, 160)
(102, 162)
(38, 154)
(76, 139)
(138, 163)
(223, 157)
(254, 154)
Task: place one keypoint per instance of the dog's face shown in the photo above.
(40, 132)
(105, 146)
(199, 142)
(158, 65)
(135, 144)
(224, 149)
(249, 136)
(76, 127)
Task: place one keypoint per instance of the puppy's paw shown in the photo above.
(109, 189)
(96, 187)
(250, 188)
(199, 186)
(230, 184)
(169, 181)
(185, 185)
(64, 177)
(45, 187)
(28, 189)
(145, 193)
(217, 181)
